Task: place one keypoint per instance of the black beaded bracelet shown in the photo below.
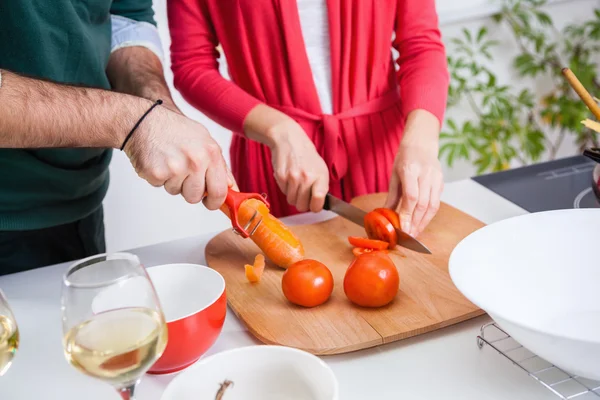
(158, 102)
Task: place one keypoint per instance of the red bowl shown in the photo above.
(194, 303)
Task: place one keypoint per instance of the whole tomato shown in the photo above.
(307, 283)
(372, 280)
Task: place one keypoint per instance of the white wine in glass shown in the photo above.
(9, 335)
(114, 327)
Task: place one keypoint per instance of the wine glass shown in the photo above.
(113, 325)
(9, 335)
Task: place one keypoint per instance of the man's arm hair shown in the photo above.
(35, 113)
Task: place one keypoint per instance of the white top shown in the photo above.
(315, 30)
(127, 32)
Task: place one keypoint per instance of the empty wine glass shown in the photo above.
(114, 327)
(9, 335)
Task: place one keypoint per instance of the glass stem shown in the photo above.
(127, 393)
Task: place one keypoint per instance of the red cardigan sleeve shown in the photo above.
(194, 61)
(423, 74)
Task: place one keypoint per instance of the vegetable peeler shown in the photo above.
(233, 201)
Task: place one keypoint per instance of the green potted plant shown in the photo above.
(509, 126)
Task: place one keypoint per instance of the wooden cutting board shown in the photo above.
(427, 299)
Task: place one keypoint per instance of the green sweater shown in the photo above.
(65, 41)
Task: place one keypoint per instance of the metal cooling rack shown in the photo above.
(559, 382)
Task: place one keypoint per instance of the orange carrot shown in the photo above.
(276, 240)
(254, 272)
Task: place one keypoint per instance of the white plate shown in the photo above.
(258, 373)
(538, 276)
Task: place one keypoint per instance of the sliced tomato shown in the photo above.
(390, 215)
(368, 243)
(379, 227)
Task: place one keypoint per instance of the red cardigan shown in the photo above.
(267, 63)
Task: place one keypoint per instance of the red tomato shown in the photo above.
(372, 280)
(307, 283)
(380, 228)
(390, 215)
(368, 243)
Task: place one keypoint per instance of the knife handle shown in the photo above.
(326, 205)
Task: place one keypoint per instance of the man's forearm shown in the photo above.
(36, 113)
(138, 71)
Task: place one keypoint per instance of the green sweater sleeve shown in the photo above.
(137, 10)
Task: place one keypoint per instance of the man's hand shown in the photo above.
(417, 180)
(173, 151)
(167, 149)
(300, 172)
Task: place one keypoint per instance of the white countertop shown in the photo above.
(445, 364)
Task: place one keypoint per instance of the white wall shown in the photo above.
(136, 214)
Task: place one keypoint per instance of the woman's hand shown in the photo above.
(300, 172)
(417, 180)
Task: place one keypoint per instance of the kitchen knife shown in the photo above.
(356, 215)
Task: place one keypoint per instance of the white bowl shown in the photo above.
(538, 277)
(258, 373)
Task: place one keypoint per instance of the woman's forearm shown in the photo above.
(267, 125)
(422, 130)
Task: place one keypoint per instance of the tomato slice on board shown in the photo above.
(368, 243)
(379, 227)
(390, 215)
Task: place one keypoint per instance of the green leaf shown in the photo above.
(539, 42)
(451, 156)
(498, 17)
(468, 35)
(550, 48)
(452, 125)
(525, 98)
(491, 80)
(523, 17)
(543, 18)
(464, 151)
(490, 43)
(481, 34)
(525, 64)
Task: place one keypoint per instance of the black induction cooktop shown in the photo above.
(552, 185)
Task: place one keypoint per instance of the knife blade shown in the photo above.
(356, 215)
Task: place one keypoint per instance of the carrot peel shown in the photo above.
(255, 271)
